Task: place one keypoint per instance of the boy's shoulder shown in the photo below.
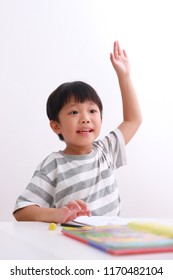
(52, 159)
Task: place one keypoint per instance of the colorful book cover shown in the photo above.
(120, 239)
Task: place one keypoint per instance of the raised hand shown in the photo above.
(119, 60)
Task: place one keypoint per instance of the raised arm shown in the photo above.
(131, 110)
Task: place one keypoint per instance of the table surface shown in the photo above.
(34, 241)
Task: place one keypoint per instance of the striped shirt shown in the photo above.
(61, 178)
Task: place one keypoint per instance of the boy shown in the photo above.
(81, 179)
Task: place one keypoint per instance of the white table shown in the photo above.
(33, 241)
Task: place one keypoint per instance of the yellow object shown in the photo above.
(153, 228)
(52, 226)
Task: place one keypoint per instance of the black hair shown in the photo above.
(81, 92)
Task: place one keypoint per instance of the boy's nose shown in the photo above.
(85, 119)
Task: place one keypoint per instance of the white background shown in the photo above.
(44, 43)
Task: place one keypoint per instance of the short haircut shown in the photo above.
(61, 96)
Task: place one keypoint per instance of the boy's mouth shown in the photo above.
(85, 131)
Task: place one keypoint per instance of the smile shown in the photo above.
(84, 130)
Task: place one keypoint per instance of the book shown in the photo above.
(131, 238)
(96, 221)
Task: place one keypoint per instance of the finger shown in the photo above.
(82, 204)
(65, 211)
(65, 214)
(119, 49)
(73, 205)
(74, 214)
(112, 58)
(72, 217)
(125, 54)
(115, 51)
(89, 213)
(84, 213)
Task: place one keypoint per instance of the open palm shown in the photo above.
(120, 60)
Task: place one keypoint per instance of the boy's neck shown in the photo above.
(77, 150)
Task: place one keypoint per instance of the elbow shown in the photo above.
(137, 124)
(139, 121)
(20, 215)
(16, 215)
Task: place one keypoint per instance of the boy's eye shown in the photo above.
(93, 111)
(73, 113)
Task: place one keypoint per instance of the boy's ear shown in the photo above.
(55, 127)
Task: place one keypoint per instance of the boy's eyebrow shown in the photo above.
(68, 105)
(71, 104)
(78, 102)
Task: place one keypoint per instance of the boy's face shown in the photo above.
(80, 125)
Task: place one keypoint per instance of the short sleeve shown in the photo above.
(113, 146)
(40, 191)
